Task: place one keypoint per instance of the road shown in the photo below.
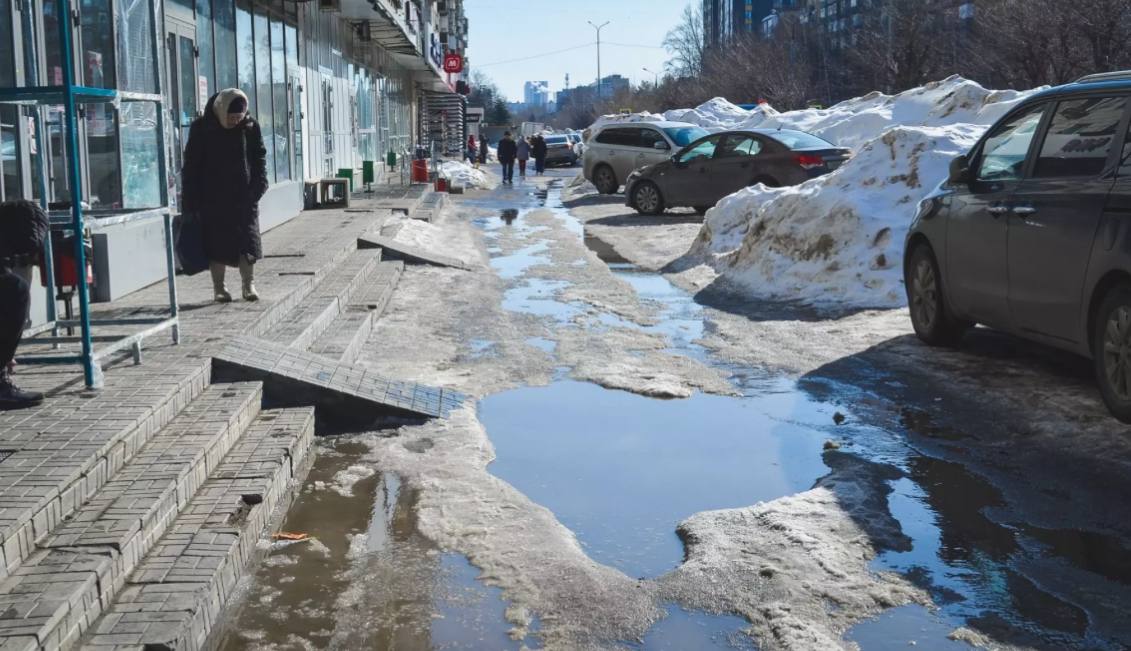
(654, 463)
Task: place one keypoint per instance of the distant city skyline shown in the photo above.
(509, 38)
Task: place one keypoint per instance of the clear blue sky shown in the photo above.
(502, 30)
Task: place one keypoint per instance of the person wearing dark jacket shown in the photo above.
(538, 148)
(483, 150)
(507, 151)
(223, 179)
(23, 229)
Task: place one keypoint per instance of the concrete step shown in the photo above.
(308, 320)
(174, 599)
(53, 597)
(344, 339)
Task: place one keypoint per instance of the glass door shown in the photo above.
(184, 88)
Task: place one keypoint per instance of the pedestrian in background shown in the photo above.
(483, 150)
(539, 148)
(523, 155)
(472, 151)
(506, 153)
(224, 177)
(23, 229)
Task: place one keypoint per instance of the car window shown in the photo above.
(1125, 157)
(619, 136)
(649, 138)
(684, 136)
(1080, 137)
(800, 140)
(1004, 152)
(701, 150)
(738, 145)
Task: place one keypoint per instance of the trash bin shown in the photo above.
(441, 184)
(420, 171)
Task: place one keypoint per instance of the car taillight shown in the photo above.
(810, 162)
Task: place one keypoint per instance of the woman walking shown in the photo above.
(539, 149)
(472, 151)
(523, 156)
(224, 177)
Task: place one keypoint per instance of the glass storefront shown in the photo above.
(227, 66)
(264, 112)
(245, 55)
(137, 60)
(206, 65)
(279, 102)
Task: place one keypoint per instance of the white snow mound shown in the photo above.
(463, 174)
(837, 241)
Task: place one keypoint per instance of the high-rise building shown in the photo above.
(723, 20)
(536, 94)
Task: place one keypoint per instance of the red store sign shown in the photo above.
(453, 63)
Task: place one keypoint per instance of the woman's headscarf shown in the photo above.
(224, 101)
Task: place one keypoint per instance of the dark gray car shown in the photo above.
(1031, 233)
(723, 163)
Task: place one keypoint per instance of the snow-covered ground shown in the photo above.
(838, 240)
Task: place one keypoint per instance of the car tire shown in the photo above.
(1111, 351)
(605, 180)
(646, 198)
(926, 300)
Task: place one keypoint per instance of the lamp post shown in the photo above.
(655, 77)
(598, 28)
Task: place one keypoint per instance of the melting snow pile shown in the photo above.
(838, 240)
(465, 175)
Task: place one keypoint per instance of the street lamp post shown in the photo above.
(655, 77)
(598, 28)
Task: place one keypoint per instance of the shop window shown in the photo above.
(7, 54)
(141, 151)
(105, 181)
(137, 67)
(264, 112)
(245, 55)
(53, 73)
(227, 66)
(97, 44)
(279, 102)
(205, 65)
(10, 186)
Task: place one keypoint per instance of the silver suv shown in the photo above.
(616, 149)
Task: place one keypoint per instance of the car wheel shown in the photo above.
(702, 210)
(1111, 351)
(605, 180)
(646, 198)
(930, 316)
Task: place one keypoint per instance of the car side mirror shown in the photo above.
(662, 146)
(959, 170)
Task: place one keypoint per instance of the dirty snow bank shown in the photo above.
(838, 240)
(463, 174)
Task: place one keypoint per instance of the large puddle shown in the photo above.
(367, 579)
(622, 470)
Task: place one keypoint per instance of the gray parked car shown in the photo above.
(559, 151)
(723, 163)
(1031, 233)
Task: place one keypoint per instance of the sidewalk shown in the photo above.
(55, 457)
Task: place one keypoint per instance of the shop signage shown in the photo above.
(453, 63)
(436, 50)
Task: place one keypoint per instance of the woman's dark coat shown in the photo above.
(506, 151)
(538, 147)
(223, 179)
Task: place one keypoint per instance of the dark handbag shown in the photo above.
(189, 242)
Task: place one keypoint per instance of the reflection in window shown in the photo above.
(226, 61)
(279, 101)
(205, 66)
(245, 56)
(140, 152)
(264, 112)
(1003, 155)
(53, 74)
(10, 187)
(97, 44)
(137, 67)
(1080, 137)
(105, 189)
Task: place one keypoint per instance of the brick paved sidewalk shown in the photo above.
(55, 457)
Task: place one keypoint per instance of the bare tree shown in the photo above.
(686, 43)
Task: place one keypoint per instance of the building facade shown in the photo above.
(723, 20)
(333, 84)
(536, 94)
